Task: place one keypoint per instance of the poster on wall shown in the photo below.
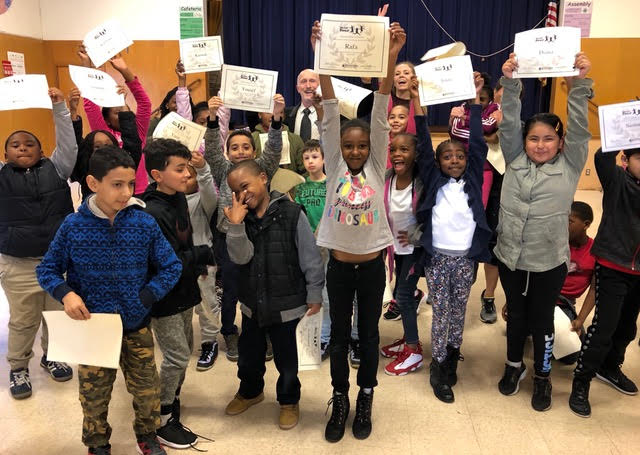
(4, 6)
(191, 18)
(577, 13)
(17, 62)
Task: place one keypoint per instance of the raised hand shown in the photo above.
(74, 101)
(398, 38)
(478, 81)
(278, 106)
(383, 11)
(56, 95)
(121, 89)
(182, 76)
(510, 66)
(238, 210)
(214, 104)
(413, 87)
(582, 64)
(197, 160)
(84, 57)
(316, 34)
(75, 307)
(120, 66)
(457, 112)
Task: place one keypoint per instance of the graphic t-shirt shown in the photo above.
(311, 195)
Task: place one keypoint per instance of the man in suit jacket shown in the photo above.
(301, 118)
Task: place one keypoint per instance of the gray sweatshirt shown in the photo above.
(354, 218)
(202, 207)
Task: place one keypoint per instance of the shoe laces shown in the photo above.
(363, 407)
(339, 411)
(391, 304)
(21, 377)
(176, 423)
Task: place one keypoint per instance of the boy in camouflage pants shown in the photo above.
(117, 261)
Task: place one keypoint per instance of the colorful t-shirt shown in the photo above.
(580, 272)
(311, 195)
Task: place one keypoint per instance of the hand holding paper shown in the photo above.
(105, 41)
(583, 65)
(97, 86)
(75, 307)
(547, 52)
(56, 95)
(308, 341)
(313, 308)
(215, 102)
(278, 106)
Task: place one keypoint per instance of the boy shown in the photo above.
(107, 239)
(296, 146)
(34, 200)
(281, 279)
(617, 278)
(166, 162)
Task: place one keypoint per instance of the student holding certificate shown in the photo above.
(543, 168)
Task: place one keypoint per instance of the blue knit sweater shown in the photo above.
(121, 268)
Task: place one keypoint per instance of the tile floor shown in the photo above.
(407, 417)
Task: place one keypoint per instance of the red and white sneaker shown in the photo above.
(392, 350)
(407, 361)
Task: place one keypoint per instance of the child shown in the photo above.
(617, 278)
(34, 200)
(403, 190)
(202, 199)
(537, 191)
(281, 279)
(107, 117)
(165, 200)
(110, 224)
(240, 147)
(355, 229)
(295, 143)
(455, 236)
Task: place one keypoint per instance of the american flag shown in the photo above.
(552, 15)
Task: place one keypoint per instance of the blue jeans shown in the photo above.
(404, 293)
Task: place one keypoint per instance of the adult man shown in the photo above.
(301, 118)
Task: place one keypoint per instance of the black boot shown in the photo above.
(579, 398)
(362, 421)
(451, 364)
(335, 426)
(438, 380)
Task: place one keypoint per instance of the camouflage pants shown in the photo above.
(141, 377)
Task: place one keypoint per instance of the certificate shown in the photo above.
(96, 341)
(547, 52)
(96, 86)
(24, 92)
(619, 126)
(248, 89)
(285, 157)
(308, 341)
(172, 126)
(349, 97)
(566, 341)
(446, 80)
(353, 46)
(448, 50)
(105, 41)
(200, 55)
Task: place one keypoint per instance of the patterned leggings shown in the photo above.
(449, 279)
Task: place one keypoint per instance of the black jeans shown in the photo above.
(230, 275)
(614, 322)
(531, 300)
(252, 347)
(343, 281)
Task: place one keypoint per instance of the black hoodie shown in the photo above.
(171, 212)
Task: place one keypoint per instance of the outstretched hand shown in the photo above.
(583, 65)
(278, 106)
(510, 66)
(56, 95)
(182, 76)
(398, 38)
(238, 210)
(215, 103)
(316, 34)
(84, 56)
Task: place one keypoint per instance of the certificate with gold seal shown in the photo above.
(353, 46)
(248, 89)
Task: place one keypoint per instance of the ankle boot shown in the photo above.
(451, 362)
(439, 382)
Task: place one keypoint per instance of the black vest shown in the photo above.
(272, 281)
(33, 204)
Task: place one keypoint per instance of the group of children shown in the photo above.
(373, 191)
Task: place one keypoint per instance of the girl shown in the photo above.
(541, 178)
(107, 117)
(403, 190)
(455, 236)
(356, 231)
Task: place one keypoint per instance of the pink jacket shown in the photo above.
(143, 116)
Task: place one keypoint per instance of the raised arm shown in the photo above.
(270, 158)
(183, 99)
(213, 153)
(606, 167)
(206, 187)
(66, 152)
(397, 38)
(131, 142)
(91, 109)
(143, 109)
(510, 132)
(477, 145)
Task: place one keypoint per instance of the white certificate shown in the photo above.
(285, 157)
(24, 92)
(446, 80)
(188, 133)
(349, 97)
(248, 89)
(308, 341)
(353, 46)
(448, 50)
(105, 41)
(96, 86)
(566, 341)
(620, 126)
(547, 52)
(200, 55)
(96, 341)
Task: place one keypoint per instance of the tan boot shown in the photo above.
(239, 404)
(289, 415)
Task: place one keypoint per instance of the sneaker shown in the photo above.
(239, 404)
(579, 398)
(362, 421)
(173, 434)
(339, 413)
(149, 445)
(324, 350)
(392, 350)
(19, 383)
(354, 354)
(102, 450)
(232, 346)
(393, 312)
(208, 356)
(289, 416)
(510, 382)
(407, 361)
(419, 298)
(541, 398)
(488, 312)
(269, 354)
(617, 379)
(58, 371)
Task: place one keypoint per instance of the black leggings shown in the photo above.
(531, 301)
